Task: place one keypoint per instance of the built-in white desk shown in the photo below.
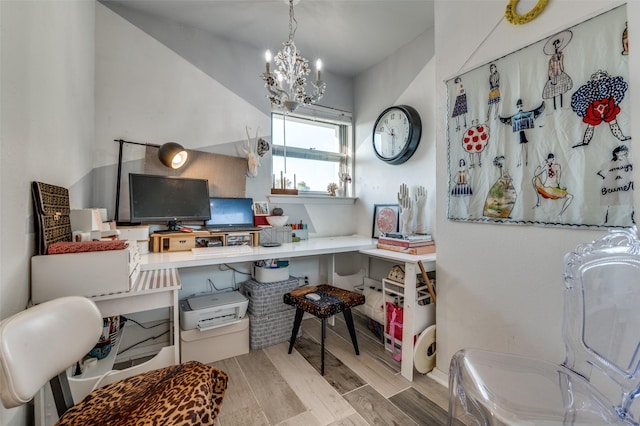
(310, 247)
(314, 247)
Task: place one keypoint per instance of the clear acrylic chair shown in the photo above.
(599, 378)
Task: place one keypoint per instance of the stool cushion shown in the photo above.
(333, 300)
(185, 394)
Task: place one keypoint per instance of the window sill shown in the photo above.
(310, 199)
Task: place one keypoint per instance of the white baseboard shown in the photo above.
(440, 377)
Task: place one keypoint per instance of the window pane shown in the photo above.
(316, 152)
(310, 175)
(306, 134)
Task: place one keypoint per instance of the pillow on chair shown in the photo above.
(137, 399)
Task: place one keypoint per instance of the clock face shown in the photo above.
(396, 134)
(391, 133)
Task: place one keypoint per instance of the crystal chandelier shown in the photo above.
(286, 85)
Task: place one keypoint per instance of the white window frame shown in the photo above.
(321, 114)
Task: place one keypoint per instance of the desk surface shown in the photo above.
(399, 257)
(310, 247)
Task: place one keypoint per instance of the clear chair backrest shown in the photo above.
(602, 313)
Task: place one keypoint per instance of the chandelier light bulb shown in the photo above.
(267, 58)
(318, 68)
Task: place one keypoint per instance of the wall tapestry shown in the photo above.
(541, 136)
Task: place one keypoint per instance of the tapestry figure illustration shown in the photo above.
(460, 108)
(558, 82)
(494, 91)
(474, 141)
(546, 181)
(519, 122)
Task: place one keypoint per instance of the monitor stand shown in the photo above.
(172, 226)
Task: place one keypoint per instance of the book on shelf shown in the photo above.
(405, 243)
(408, 250)
(407, 237)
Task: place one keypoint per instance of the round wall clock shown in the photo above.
(396, 134)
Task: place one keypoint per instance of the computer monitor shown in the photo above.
(168, 199)
(229, 212)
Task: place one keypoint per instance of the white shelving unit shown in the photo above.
(410, 302)
(424, 311)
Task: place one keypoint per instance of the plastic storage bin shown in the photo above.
(269, 275)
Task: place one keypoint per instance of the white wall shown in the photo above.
(145, 92)
(500, 287)
(406, 77)
(47, 80)
(157, 81)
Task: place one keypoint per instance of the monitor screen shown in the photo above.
(165, 198)
(230, 212)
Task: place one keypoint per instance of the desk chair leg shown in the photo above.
(324, 332)
(296, 327)
(348, 318)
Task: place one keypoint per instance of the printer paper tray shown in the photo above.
(218, 322)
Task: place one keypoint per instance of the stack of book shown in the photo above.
(410, 244)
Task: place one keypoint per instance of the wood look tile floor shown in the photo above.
(271, 387)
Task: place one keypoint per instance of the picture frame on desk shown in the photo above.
(261, 208)
(385, 219)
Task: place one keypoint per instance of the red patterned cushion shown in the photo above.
(85, 246)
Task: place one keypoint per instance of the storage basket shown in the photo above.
(266, 298)
(271, 329)
(276, 235)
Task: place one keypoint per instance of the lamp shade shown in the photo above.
(172, 155)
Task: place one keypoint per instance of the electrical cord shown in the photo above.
(145, 327)
(232, 269)
(142, 341)
(234, 284)
(215, 288)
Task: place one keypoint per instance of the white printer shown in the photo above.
(212, 310)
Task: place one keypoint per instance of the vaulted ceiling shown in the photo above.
(349, 35)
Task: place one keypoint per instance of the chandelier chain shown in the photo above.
(292, 19)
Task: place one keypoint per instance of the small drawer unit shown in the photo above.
(239, 240)
(177, 241)
(215, 344)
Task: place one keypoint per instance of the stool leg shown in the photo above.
(352, 331)
(296, 327)
(324, 331)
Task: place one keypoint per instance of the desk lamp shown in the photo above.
(171, 154)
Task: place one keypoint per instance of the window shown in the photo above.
(312, 149)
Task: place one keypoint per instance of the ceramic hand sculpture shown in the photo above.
(404, 200)
(420, 198)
